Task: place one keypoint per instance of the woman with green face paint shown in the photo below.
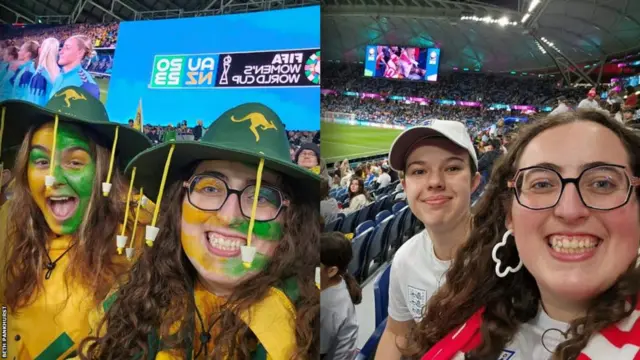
(231, 271)
(59, 229)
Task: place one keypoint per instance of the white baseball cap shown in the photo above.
(406, 141)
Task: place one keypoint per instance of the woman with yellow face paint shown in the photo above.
(59, 229)
(230, 274)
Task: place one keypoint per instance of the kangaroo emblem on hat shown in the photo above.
(257, 121)
(70, 94)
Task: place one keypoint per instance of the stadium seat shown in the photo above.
(398, 206)
(387, 203)
(377, 206)
(396, 232)
(334, 225)
(359, 246)
(409, 226)
(381, 295)
(364, 214)
(365, 226)
(349, 223)
(376, 250)
(368, 351)
(381, 216)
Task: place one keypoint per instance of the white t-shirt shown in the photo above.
(416, 274)
(527, 343)
(588, 104)
(338, 323)
(384, 180)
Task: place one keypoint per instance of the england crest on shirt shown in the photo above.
(506, 355)
(417, 298)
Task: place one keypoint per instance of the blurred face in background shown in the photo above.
(307, 159)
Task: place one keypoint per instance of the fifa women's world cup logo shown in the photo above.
(226, 65)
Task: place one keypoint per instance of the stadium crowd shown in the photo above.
(103, 35)
(297, 139)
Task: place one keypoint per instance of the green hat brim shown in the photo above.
(21, 115)
(150, 163)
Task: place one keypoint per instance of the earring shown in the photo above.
(494, 255)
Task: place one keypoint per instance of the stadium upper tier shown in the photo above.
(482, 88)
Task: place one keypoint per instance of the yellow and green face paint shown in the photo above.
(196, 223)
(65, 203)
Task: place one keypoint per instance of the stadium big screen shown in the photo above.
(197, 68)
(400, 62)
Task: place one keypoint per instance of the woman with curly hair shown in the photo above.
(59, 229)
(231, 271)
(549, 270)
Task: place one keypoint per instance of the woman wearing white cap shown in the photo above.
(440, 174)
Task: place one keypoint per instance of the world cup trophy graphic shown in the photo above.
(226, 64)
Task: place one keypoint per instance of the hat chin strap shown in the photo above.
(151, 231)
(106, 186)
(130, 251)
(49, 180)
(248, 252)
(121, 240)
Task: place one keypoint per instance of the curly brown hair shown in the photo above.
(159, 292)
(471, 282)
(91, 259)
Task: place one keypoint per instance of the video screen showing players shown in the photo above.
(399, 62)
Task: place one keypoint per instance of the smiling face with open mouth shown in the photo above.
(211, 239)
(574, 252)
(64, 204)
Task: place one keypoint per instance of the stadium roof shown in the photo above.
(582, 30)
(96, 11)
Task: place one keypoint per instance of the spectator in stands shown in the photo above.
(339, 293)
(7, 81)
(440, 174)
(131, 125)
(329, 208)
(627, 115)
(552, 273)
(358, 195)
(28, 55)
(153, 135)
(632, 98)
(492, 152)
(197, 130)
(590, 101)
(46, 74)
(384, 179)
(616, 111)
(336, 179)
(5, 180)
(562, 106)
(170, 134)
(74, 50)
(308, 156)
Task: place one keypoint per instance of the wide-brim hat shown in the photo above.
(73, 105)
(246, 133)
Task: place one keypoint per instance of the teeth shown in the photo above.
(224, 244)
(59, 198)
(573, 244)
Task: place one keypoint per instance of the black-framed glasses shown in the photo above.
(209, 192)
(600, 187)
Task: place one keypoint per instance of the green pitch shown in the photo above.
(103, 83)
(339, 142)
